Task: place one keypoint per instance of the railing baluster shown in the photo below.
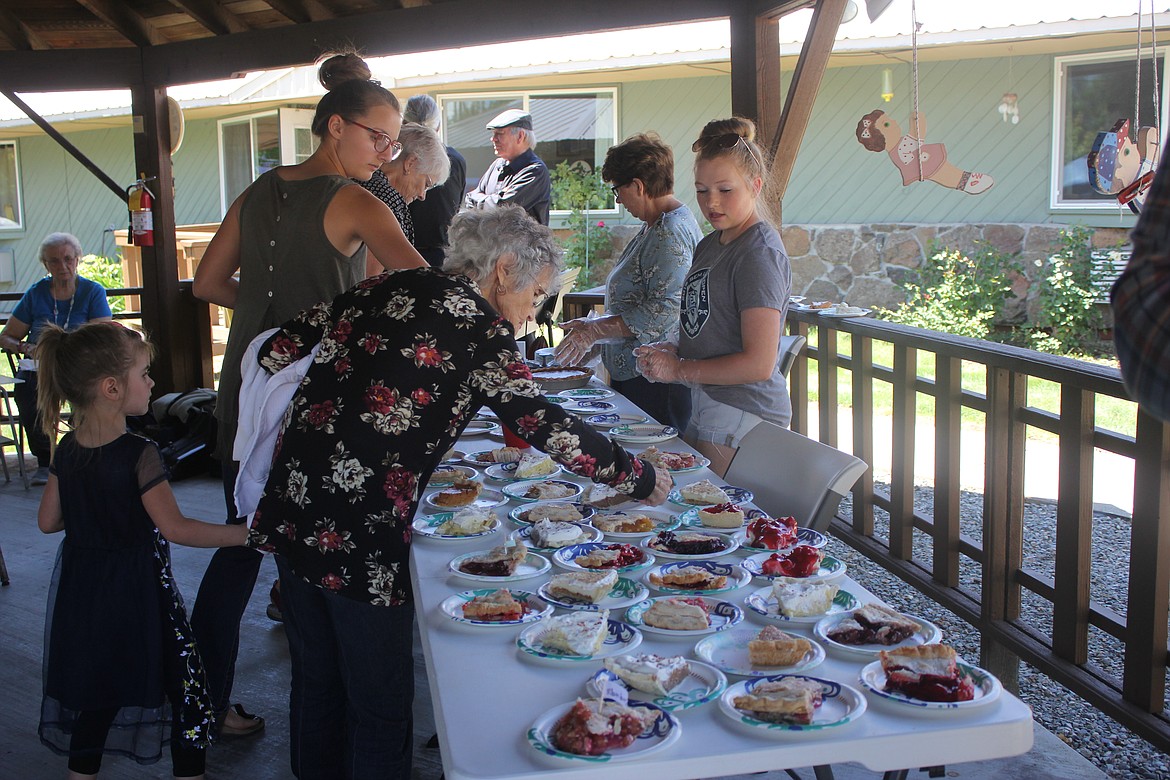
(798, 380)
(948, 410)
(1074, 526)
(902, 466)
(828, 361)
(1144, 679)
(862, 376)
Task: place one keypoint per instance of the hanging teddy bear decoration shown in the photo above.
(1121, 166)
(877, 131)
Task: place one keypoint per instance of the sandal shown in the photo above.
(254, 723)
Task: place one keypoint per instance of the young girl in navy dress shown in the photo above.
(121, 673)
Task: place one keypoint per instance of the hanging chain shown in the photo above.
(1154, 64)
(1137, 94)
(915, 129)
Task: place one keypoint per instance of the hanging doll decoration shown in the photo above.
(1122, 167)
(878, 132)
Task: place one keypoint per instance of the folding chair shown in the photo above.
(790, 347)
(793, 475)
(16, 437)
(550, 312)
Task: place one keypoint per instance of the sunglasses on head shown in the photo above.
(723, 142)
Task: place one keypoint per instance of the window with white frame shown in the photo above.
(571, 126)
(1092, 92)
(251, 145)
(11, 209)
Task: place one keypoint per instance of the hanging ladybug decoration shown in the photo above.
(140, 201)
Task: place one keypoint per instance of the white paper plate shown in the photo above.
(481, 428)
(506, 472)
(723, 615)
(643, 433)
(564, 557)
(454, 456)
(520, 514)
(690, 519)
(532, 566)
(487, 499)
(729, 546)
(427, 526)
(590, 393)
(840, 706)
(728, 651)
(830, 569)
(764, 604)
(987, 690)
(535, 608)
(704, 683)
(664, 733)
(663, 521)
(700, 463)
(611, 420)
(928, 633)
(481, 458)
(736, 576)
(589, 406)
(621, 638)
(516, 490)
(843, 315)
(445, 475)
(803, 536)
(626, 592)
(524, 534)
(736, 495)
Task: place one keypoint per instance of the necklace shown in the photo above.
(68, 314)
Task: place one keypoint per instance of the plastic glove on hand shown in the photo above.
(576, 344)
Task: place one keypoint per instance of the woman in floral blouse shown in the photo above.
(405, 360)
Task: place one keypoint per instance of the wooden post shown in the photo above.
(862, 375)
(1074, 527)
(948, 410)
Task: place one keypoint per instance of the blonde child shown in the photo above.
(121, 672)
(734, 300)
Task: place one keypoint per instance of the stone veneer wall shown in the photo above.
(870, 265)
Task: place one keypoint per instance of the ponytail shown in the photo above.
(70, 365)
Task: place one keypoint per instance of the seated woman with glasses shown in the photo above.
(422, 164)
(734, 300)
(297, 236)
(643, 291)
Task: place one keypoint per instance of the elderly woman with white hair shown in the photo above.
(404, 361)
(433, 216)
(423, 164)
(63, 298)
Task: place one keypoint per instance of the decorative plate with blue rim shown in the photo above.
(524, 534)
(590, 406)
(481, 428)
(704, 683)
(728, 651)
(530, 513)
(663, 521)
(840, 706)
(727, 545)
(566, 557)
(481, 458)
(644, 433)
(619, 638)
(830, 568)
(587, 393)
(764, 604)
(506, 472)
(519, 491)
(535, 608)
(927, 633)
(427, 526)
(664, 732)
(722, 614)
(690, 519)
(487, 499)
(803, 535)
(987, 690)
(736, 576)
(445, 475)
(736, 495)
(533, 565)
(612, 419)
(624, 593)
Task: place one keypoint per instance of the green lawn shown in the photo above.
(1112, 414)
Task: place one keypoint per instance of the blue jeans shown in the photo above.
(219, 607)
(668, 403)
(350, 711)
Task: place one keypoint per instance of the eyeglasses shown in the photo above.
(382, 142)
(540, 298)
(725, 141)
(616, 189)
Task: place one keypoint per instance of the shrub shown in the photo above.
(106, 271)
(578, 188)
(959, 294)
(1068, 312)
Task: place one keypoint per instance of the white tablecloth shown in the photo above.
(487, 694)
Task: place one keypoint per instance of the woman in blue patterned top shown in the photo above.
(643, 292)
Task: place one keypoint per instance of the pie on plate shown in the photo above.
(873, 624)
(497, 562)
(926, 672)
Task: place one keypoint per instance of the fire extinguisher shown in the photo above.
(140, 201)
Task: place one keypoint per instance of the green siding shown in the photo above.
(196, 172)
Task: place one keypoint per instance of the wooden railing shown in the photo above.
(1001, 560)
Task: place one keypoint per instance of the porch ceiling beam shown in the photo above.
(301, 11)
(130, 25)
(802, 92)
(213, 16)
(771, 9)
(18, 35)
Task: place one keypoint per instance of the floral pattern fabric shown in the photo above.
(406, 359)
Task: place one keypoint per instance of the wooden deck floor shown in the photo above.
(262, 676)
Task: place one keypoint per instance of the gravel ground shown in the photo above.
(1118, 752)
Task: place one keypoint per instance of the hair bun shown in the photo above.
(741, 126)
(340, 68)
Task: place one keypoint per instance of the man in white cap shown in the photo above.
(517, 176)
